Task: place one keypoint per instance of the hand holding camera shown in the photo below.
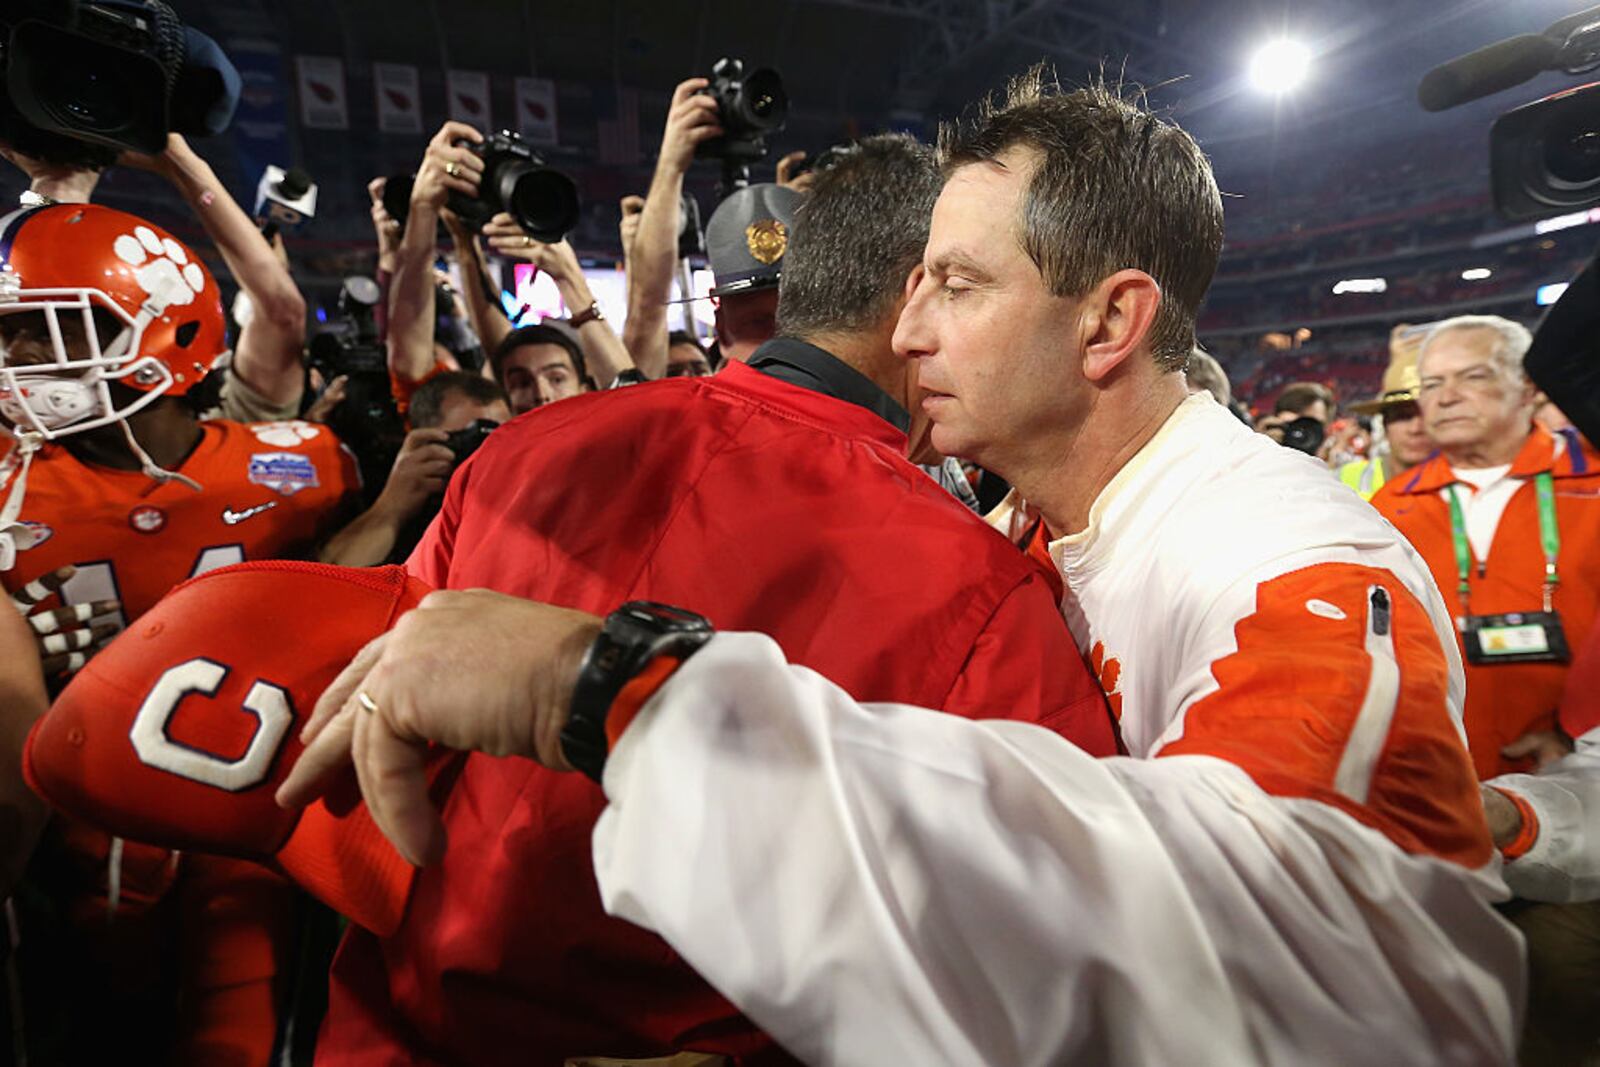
(448, 166)
(420, 471)
(692, 119)
(507, 238)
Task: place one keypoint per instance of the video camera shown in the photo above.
(120, 73)
(1544, 157)
(367, 419)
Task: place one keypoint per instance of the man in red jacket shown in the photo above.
(775, 497)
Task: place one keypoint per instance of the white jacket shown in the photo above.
(1303, 877)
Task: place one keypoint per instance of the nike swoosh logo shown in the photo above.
(234, 518)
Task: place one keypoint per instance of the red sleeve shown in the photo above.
(1580, 703)
(1025, 666)
(237, 934)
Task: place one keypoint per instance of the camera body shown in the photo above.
(366, 420)
(749, 107)
(121, 73)
(465, 441)
(543, 200)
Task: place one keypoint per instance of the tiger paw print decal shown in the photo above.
(161, 267)
(1109, 673)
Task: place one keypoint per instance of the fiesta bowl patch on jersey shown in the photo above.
(285, 472)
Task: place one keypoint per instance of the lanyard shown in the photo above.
(1549, 539)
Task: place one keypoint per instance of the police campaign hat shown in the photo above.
(747, 237)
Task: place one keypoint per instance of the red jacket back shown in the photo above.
(766, 507)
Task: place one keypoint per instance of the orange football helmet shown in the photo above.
(90, 296)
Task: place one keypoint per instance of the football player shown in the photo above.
(107, 324)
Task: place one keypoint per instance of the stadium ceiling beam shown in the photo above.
(953, 31)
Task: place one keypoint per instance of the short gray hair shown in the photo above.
(1204, 372)
(1512, 340)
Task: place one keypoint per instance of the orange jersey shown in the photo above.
(267, 490)
(205, 932)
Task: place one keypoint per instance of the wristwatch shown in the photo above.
(639, 638)
(592, 313)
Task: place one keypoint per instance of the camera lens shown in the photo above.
(764, 103)
(544, 202)
(87, 99)
(1572, 153)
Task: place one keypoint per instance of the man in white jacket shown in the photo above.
(1291, 864)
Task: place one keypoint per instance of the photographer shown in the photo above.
(450, 415)
(264, 381)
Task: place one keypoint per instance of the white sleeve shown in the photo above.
(885, 884)
(1563, 866)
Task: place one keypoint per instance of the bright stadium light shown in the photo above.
(1279, 66)
(1361, 285)
(1476, 274)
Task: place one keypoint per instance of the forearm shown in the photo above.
(410, 339)
(488, 321)
(603, 351)
(267, 355)
(650, 267)
(1562, 864)
(366, 541)
(23, 700)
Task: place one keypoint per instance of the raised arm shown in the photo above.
(267, 356)
(489, 322)
(691, 119)
(445, 167)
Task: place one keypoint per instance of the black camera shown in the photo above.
(366, 420)
(749, 106)
(543, 200)
(1544, 157)
(1304, 434)
(122, 73)
(465, 441)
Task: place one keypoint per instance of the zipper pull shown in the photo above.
(1380, 611)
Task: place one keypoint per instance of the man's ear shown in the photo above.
(1123, 309)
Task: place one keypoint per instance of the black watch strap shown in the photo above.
(634, 636)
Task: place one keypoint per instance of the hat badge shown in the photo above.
(767, 239)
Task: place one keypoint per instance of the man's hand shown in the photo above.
(330, 398)
(691, 120)
(65, 637)
(1505, 821)
(420, 471)
(1544, 746)
(800, 183)
(474, 671)
(384, 225)
(558, 260)
(632, 208)
(447, 167)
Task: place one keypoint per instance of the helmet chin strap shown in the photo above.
(149, 466)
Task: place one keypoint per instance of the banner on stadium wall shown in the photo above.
(399, 97)
(260, 126)
(536, 110)
(468, 91)
(322, 100)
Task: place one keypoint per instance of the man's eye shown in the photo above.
(952, 292)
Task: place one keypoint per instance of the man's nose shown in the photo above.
(912, 337)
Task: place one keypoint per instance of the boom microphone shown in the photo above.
(1487, 71)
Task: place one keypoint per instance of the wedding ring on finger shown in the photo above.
(527, 241)
(452, 168)
(367, 703)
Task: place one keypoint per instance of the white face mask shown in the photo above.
(55, 402)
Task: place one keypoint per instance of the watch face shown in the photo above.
(664, 616)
